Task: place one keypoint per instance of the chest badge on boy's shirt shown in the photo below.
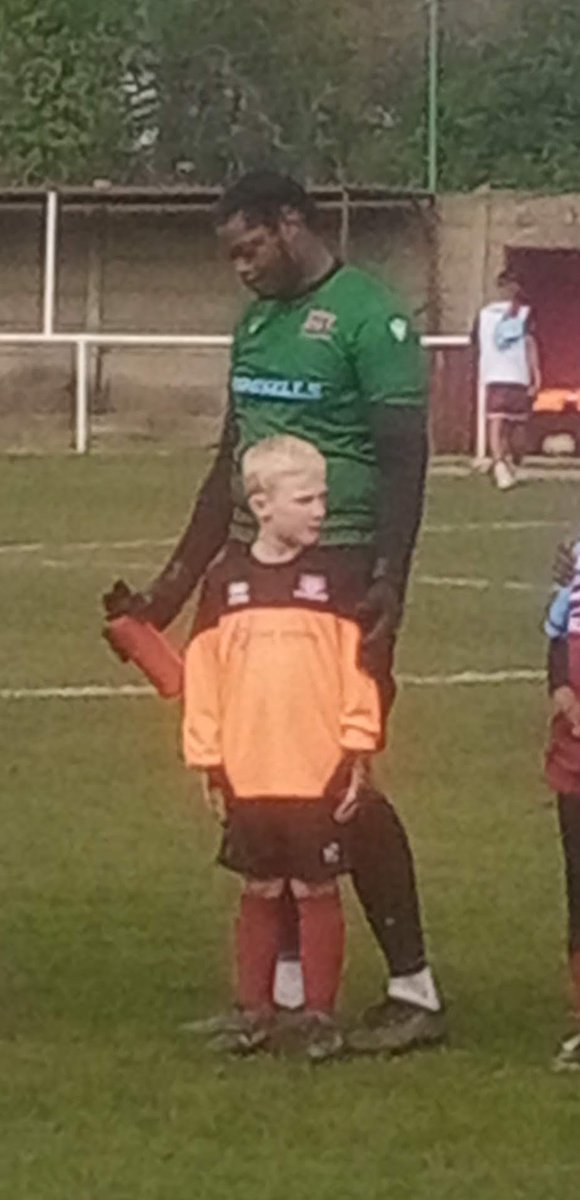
(319, 323)
(238, 593)
(312, 587)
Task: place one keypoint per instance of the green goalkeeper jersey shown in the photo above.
(314, 367)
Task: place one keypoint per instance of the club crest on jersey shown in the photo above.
(319, 323)
(331, 854)
(312, 587)
(399, 328)
(238, 593)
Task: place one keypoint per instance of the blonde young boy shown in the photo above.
(280, 718)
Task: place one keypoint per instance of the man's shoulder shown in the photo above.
(353, 284)
(253, 315)
(232, 558)
(361, 302)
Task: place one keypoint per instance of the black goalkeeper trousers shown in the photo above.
(383, 876)
(382, 867)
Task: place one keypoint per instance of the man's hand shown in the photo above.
(213, 796)
(564, 564)
(567, 703)
(379, 616)
(351, 801)
(122, 602)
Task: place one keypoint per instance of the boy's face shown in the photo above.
(509, 290)
(293, 508)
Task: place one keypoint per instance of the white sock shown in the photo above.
(417, 989)
(289, 983)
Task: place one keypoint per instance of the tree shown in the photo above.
(63, 114)
(510, 110)
(334, 91)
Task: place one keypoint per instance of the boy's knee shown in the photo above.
(302, 890)
(264, 889)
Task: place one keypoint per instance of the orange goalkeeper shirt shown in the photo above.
(273, 693)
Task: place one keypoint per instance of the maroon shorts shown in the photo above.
(283, 839)
(510, 401)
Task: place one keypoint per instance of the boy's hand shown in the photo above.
(567, 703)
(351, 801)
(213, 795)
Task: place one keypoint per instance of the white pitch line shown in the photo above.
(53, 548)
(90, 691)
(452, 581)
(478, 585)
(493, 526)
(68, 564)
(96, 691)
(472, 583)
(517, 675)
(467, 582)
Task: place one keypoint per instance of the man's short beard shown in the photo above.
(289, 277)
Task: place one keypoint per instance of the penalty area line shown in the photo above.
(97, 691)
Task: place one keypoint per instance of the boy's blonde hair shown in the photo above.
(266, 462)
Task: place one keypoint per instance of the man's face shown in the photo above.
(264, 257)
(293, 508)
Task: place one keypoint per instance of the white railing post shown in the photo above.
(49, 286)
(82, 397)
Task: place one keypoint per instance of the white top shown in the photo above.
(501, 337)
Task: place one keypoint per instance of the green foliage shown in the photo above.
(243, 84)
(510, 111)
(204, 89)
(63, 114)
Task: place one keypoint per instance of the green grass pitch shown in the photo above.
(116, 923)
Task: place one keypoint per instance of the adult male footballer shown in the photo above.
(326, 353)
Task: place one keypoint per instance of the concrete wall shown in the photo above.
(475, 231)
(150, 271)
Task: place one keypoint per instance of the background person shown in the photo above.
(563, 775)
(509, 371)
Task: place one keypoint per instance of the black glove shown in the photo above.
(564, 564)
(379, 616)
(122, 602)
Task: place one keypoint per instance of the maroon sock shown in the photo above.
(257, 944)
(289, 926)
(322, 941)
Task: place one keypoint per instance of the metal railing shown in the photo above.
(83, 342)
